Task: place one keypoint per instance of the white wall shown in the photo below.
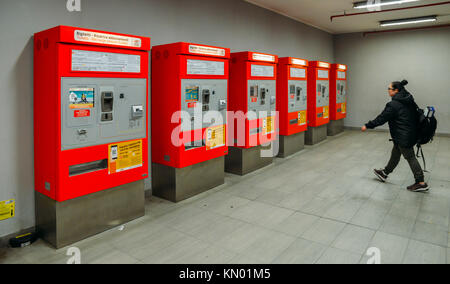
(229, 23)
(422, 57)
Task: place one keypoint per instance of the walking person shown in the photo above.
(401, 114)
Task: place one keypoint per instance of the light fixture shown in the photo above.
(379, 3)
(408, 21)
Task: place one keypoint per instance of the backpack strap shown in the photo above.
(419, 154)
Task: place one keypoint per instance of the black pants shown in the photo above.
(410, 156)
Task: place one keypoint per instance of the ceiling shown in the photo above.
(317, 13)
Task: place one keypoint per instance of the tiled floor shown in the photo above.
(322, 205)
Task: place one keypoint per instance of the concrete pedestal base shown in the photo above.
(243, 161)
(335, 127)
(65, 223)
(292, 144)
(179, 184)
(316, 135)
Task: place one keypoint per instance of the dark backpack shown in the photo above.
(426, 130)
(427, 126)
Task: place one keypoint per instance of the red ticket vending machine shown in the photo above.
(252, 120)
(189, 118)
(90, 131)
(292, 104)
(338, 98)
(318, 101)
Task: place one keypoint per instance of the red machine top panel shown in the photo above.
(74, 35)
(294, 61)
(255, 56)
(320, 64)
(340, 67)
(186, 48)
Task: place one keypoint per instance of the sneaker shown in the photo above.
(419, 187)
(381, 175)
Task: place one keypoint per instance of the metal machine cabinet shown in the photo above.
(253, 102)
(90, 131)
(338, 98)
(318, 101)
(189, 118)
(292, 104)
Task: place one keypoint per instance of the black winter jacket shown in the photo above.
(401, 114)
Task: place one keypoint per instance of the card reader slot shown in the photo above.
(88, 167)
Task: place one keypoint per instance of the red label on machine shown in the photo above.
(254, 100)
(82, 113)
(105, 38)
(191, 105)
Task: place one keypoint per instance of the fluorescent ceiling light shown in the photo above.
(379, 3)
(408, 21)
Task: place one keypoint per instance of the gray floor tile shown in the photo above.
(296, 224)
(243, 259)
(392, 247)
(177, 253)
(343, 211)
(242, 238)
(153, 243)
(228, 206)
(296, 200)
(301, 252)
(114, 257)
(210, 255)
(354, 239)
(424, 253)
(371, 215)
(448, 255)
(318, 206)
(438, 215)
(398, 225)
(324, 231)
(405, 210)
(253, 211)
(430, 233)
(211, 232)
(273, 197)
(276, 216)
(337, 256)
(267, 248)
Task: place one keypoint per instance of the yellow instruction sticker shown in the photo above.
(326, 112)
(268, 125)
(302, 118)
(7, 209)
(124, 156)
(215, 137)
(344, 108)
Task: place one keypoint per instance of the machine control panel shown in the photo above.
(262, 97)
(323, 93)
(199, 97)
(98, 111)
(297, 96)
(341, 92)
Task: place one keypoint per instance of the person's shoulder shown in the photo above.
(394, 104)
